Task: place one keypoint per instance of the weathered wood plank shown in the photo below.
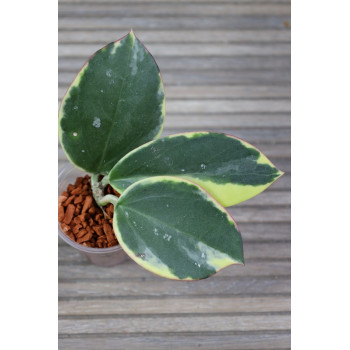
(267, 198)
(205, 341)
(278, 341)
(60, 2)
(180, 324)
(260, 214)
(179, 36)
(232, 120)
(95, 10)
(210, 49)
(215, 286)
(193, 305)
(219, 91)
(227, 106)
(207, 23)
(78, 270)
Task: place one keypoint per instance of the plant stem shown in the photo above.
(98, 192)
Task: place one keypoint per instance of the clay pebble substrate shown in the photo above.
(82, 220)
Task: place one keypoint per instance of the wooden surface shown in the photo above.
(226, 67)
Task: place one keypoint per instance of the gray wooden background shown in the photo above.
(226, 67)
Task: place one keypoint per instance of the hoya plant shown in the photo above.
(170, 217)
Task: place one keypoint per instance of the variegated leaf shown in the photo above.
(115, 104)
(230, 169)
(172, 227)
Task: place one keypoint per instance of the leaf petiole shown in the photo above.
(98, 192)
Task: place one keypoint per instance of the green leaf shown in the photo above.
(230, 169)
(115, 104)
(173, 228)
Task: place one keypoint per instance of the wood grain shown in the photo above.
(96, 10)
(181, 324)
(210, 49)
(203, 305)
(169, 1)
(204, 340)
(178, 36)
(68, 271)
(261, 22)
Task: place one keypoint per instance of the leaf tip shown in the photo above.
(132, 33)
(280, 173)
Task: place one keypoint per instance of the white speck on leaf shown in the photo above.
(101, 91)
(97, 122)
(75, 134)
(75, 107)
(156, 231)
(203, 166)
(83, 150)
(127, 214)
(109, 73)
(203, 255)
(167, 237)
(182, 170)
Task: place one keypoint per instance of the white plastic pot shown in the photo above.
(98, 256)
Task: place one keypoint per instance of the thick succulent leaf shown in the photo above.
(230, 169)
(172, 227)
(115, 104)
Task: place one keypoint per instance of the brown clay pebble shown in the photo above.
(110, 210)
(82, 219)
(60, 213)
(61, 199)
(85, 238)
(77, 220)
(87, 204)
(76, 191)
(70, 188)
(78, 181)
(71, 236)
(81, 233)
(76, 228)
(98, 230)
(92, 211)
(68, 201)
(64, 227)
(107, 228)
(78, 199)
(68, 216)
